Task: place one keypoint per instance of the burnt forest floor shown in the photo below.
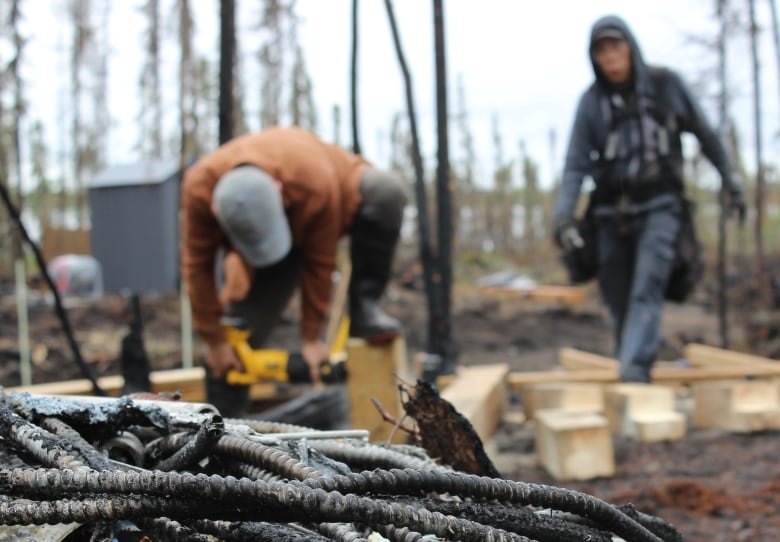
(712, 486)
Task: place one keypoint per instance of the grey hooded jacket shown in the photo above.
(592, 124)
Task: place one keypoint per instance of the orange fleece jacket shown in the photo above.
(320, 191)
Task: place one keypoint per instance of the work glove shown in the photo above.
(567, 236)
(736, 204)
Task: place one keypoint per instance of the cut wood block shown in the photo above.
(750, 420)
(572, 296)
(373, 372)
(700, 355)
(657, 427)
(624, 402)
(572, 359)
(570, 396)
(740, 406)
(574, 445)
(480, 394)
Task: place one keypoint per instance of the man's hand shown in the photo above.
(220, 358)
(737, 204)
(567, 236)
(314, 353)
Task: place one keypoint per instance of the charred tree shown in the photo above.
(187, 119)
(443, 332)
(239, 111)
(88, 71)
(271, 57)
(302, 110)
(39, 165)
(723, 107)
(530, 175)
(88, 370)
(427, 256)
(101, 124)
(5, 260)
(133, 359)
(286, 92)
(150, 116)
(466, 216)
(763, 290)
(353, 80)
(227, 47)
(82, 35)
(775, 35)
(18, 112)
(502, 193)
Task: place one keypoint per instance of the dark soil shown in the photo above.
(711, 486)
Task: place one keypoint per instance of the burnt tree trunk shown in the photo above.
(227, 43)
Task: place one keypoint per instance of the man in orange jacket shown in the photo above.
(274, 204)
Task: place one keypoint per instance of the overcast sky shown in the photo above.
(524, 61)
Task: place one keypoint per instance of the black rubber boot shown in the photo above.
(371, 251)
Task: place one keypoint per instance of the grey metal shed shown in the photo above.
(135, 209)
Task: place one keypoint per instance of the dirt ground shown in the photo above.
(712, 486)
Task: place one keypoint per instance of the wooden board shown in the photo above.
(373, 372)
(519, 380)
(111, 384)
(479, 393)
(572, 296)
(190, 382)
(572, 359)
(700, 355)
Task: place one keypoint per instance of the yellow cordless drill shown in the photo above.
(263, 364)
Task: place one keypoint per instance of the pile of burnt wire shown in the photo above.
(123, 470)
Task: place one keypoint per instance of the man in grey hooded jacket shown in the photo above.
(626, 138)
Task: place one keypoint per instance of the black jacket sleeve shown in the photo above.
(693, 120)
(581, 156)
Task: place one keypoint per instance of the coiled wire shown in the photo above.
(257, 488)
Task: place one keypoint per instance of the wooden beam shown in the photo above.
(522, 379)
(111, 384)
(700, 355)
(479, 393)
(572, 359)
(190, 382)
(519, 380)
(572, 296)
(373, 372)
